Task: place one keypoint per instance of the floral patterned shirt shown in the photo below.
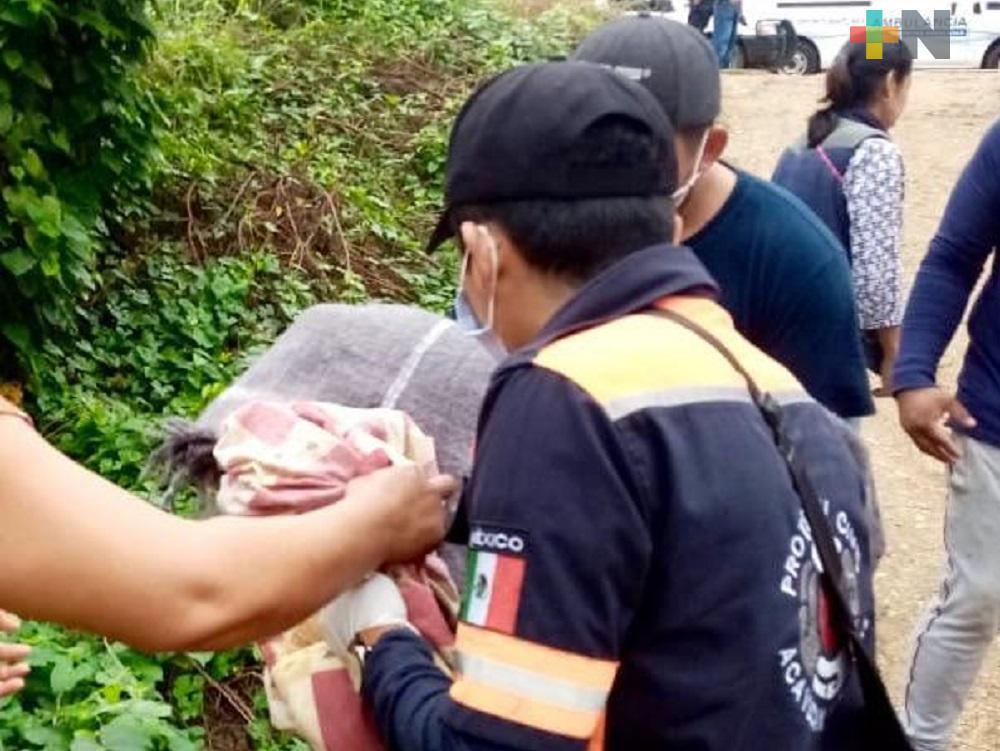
(873, 187)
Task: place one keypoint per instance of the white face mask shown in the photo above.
(465, 315)
(681, 194)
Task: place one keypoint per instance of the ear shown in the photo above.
(479, 247)
(892, 85)
(467, 233)
(715, 144)
(678, 228)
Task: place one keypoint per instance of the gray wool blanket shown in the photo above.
(376, 355)
(360, 356)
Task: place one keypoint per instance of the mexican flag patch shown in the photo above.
(493, 589)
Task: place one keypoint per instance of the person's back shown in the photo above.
(730, 621)
(815, 174)
(784, 278)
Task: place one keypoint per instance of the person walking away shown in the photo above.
(783, 276)
(639, 577)
(725, 19)
(963, 619)
(700, 14)
(850, 173)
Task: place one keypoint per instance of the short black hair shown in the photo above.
(694, 133)
(577, 239)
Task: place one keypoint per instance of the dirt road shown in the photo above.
(948, 112)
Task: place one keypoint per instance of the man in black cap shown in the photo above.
(784, 277)
(640, 573)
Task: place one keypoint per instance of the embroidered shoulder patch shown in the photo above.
(494, 577)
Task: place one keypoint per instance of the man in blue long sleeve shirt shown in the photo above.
(966, 616)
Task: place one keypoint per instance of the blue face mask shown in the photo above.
(469, 322)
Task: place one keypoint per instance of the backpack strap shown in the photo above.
(829, 164)
(849, 134)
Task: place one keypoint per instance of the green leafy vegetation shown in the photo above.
(261, 156)
(76, 145)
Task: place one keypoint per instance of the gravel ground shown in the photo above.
(947, 114)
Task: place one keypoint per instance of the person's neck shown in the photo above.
(535, 306)
(707, 198)
(875, 115)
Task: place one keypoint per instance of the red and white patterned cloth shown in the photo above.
(282, 458)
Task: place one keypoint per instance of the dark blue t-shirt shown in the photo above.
(787, 284)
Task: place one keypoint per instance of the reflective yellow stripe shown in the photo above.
(530, 684)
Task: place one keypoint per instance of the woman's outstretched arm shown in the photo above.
(78, 550)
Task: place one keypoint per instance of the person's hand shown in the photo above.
(409, 506)
(13, 668)
(372, 607)
(923, 413)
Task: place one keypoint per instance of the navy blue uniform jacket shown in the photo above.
(641, 575)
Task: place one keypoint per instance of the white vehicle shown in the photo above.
(765, 44)
(823, 26)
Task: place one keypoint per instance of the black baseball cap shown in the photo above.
(671, 59)
(520, 137)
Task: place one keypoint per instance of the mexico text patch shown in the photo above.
(493, 539)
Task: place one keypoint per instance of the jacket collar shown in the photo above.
(862, 115)
(633, 284)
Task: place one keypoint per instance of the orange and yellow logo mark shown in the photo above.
(873, 34)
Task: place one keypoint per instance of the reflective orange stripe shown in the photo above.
(587, 672)
(530, 684)
(532, 713)
(597, 740)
